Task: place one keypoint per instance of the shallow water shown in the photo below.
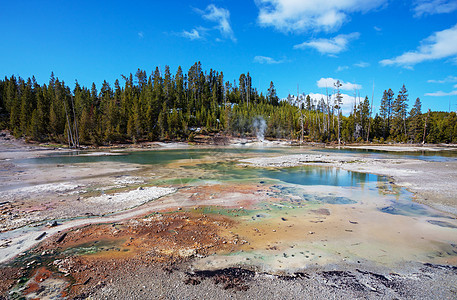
(150, 157)
(438, 156)
(292, 218)
(303, 226)
(309, 175)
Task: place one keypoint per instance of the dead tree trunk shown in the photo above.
(70, 135)
(425, 127)
(371, 112)
(75, 124)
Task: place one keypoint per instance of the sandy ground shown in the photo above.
(148, 282)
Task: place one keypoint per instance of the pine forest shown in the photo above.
(163, 106)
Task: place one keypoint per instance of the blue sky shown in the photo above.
(306, 42)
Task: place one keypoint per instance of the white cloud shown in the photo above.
(346, 107)
(221, 16)
(442, 94)
(445, 80)
(330, 46)
(330, 83)
(449, 79)
(362, 64)
(194, 34)
(318, 15)
(341, 68)
(431, 7)
(441, 44)
(267, 60)
(140, 34)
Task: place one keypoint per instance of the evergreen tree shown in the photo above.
(415, 122)
(271, 96)
(39, 128)
(242, 88)
(163, 106)
(308, 103)
(53, 121)
(168, 89)
(385, 111)
(399, 111)
(141, 78)
(26, 106)
(13, 105)
(163, 122)
(377, 128)
(362, 117)
(180, 94)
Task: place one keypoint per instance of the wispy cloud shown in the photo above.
(267, 60)
(341, 68)
(432, 7)
(140, 35)
(221, 16)
(448, 79)
(194, 34)
(318, 15)
(330, 83)
(442, 94)
(378, 29)
(330, 46)
(362, 64)
(441, 44)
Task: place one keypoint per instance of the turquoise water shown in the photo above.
(144, 157)
(311, 175)
(227, 168)
(302, 175)
(221, 165)
(168, 156)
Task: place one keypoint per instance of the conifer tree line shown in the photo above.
(166, 106)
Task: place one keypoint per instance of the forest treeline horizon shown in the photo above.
(166, 106)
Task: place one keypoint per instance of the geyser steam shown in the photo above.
(259, 125)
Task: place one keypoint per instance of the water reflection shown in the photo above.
(312, 175)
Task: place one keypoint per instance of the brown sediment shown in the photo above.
(9, 276)
(43, 284)
(41, 275)
(89, 255)
(167, 234)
